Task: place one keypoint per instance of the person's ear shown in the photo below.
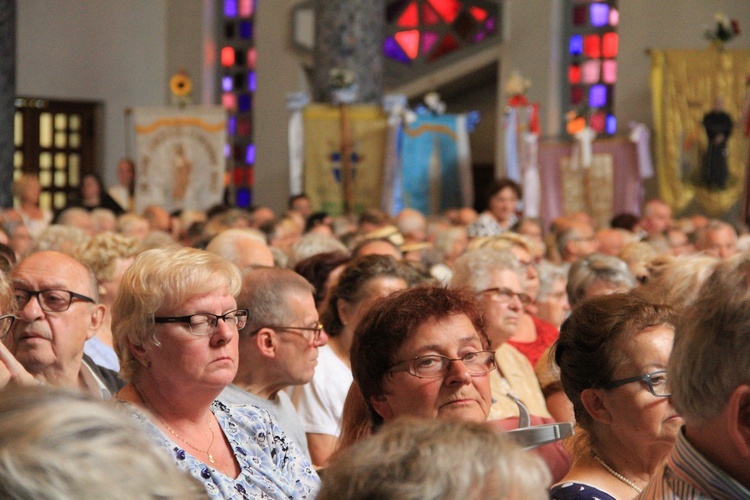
(382, 406)
(96, 319)
(595, 403)
(738, 410)
(139, 353)
(267, 342)
(345, 310)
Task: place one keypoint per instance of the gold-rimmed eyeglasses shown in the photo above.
(316, 330)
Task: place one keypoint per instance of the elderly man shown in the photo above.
(58, 310)
(709, 374)
(657, 218)
(242, 247)
(717, 238)
(576, 240)
(279, 345)
(497, 277)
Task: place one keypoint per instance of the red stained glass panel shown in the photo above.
(592, 46)
(409, 41)
(609, 45)
(410, 17)
(574, 74)
(227, 56)
(448, 9)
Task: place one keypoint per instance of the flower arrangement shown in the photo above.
(576, 119)
(515, 88)
(724, 28)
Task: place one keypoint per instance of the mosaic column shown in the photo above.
(349, 37)
(7, 97)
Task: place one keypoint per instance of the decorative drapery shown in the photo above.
(684, 85)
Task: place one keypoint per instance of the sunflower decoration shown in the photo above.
(181, 86)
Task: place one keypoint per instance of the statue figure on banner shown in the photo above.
(182, 168)
(718, 125)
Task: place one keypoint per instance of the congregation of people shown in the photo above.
(235, 353)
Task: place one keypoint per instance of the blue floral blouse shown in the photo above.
(271, 466)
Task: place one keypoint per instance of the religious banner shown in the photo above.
(435, 163)
(686, 85)
(179, 157)
(589, 189)
(362, 133)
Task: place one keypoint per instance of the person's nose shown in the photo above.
(322, 340)
(457, 374)
(223, 332)
(32, 310)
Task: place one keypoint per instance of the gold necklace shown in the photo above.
(618, 475)
(206, 452)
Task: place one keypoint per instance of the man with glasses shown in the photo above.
(709, 374)
(278, 346)
(58, 310)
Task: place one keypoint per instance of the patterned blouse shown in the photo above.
(271, 466)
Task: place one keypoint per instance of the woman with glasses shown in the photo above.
(613, 353)
(422, 353)
(320, 402)
(10, 369)
(175, 324)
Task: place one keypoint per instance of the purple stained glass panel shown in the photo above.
(597, 96)
(246, 30)
(599, 14)
(244, 197)
(393, 49)
(429, 38)
(226, 83)
(230, 8)
(243, 102)
(227, 150)
(232, 125)
(250, 154)
(575, 46)
(611, 124)
(252, 81)
(490, 25)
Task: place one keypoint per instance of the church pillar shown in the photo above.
(7, 97)
(349, 35)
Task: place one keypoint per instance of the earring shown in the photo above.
(146, 363)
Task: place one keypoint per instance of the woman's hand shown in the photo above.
(11, 371)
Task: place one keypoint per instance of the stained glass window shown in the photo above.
(423, 31)
(237, 84)
(591, 60)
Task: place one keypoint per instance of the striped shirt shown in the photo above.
(687, 474)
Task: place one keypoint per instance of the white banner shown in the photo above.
(179, 157)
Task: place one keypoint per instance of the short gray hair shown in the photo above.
(711, 354)
(61, 444)
(473, 268)
(549, 273)
(593, 268)
(265, 293)
(412, 459)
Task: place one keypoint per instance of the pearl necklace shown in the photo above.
(618, 475)
(206, 452)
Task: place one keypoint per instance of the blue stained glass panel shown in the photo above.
(250, 154)
(599, 14)
(243, 102)
(232, 125)
(230, 8)
(575, 47)
(244, 197)
(246, 30)
(597, 96)
(611, 124)
(393, 49)
(251, 81)
(226, 83)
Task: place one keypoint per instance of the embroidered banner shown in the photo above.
(180, 160)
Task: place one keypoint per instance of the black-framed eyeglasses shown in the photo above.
(205, 323)
(506, 295)
(657, 383)
(435, 366)
(316, 330)
(50, 300)
(6, 322)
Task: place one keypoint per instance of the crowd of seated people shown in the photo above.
(265, 355)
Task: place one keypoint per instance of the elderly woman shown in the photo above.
(320, 402)
(108, 255)
(422, 353)
(552, 303)
(11, 371)
(175, 325)
(613, 353)
(500, 216)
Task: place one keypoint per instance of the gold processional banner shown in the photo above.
(684, 86)
(323, 171)
(179, 157)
